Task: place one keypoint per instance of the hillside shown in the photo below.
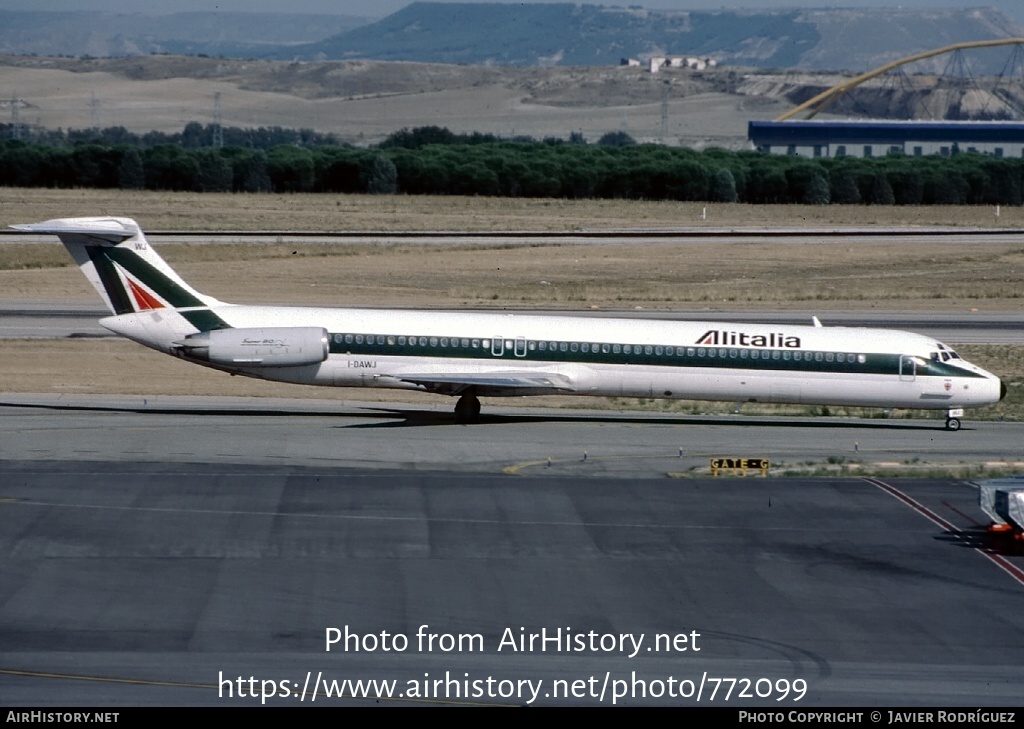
(567, 34)
(99, 34)
(363, 101)
(524, 34)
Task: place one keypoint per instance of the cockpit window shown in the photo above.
(944, 353)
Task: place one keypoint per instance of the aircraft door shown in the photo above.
(520, 346)
(497, 346)
(908, 368)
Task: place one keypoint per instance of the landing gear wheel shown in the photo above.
(467, 410)
(952, 424)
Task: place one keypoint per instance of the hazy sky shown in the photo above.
(380, 8)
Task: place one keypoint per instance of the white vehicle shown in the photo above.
(474, 354)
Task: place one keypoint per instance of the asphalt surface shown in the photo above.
(166, 552)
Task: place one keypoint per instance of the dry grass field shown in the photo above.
(361, 102)
(815, 276)
(330, 212)
(819, 274)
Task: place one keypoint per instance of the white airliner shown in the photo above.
(473, 354)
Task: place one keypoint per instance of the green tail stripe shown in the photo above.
(204, 320)
(170, 291)
(178, 297)
(116, 292)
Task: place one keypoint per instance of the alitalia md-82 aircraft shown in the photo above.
(474, 354)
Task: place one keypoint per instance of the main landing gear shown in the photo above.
(467, 410)
(953, 419)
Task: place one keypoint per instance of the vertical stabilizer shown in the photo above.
(117, 259)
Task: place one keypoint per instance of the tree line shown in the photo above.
(435, 161)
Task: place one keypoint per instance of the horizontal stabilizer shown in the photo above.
(113, 229)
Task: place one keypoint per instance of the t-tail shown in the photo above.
(115, 256)
(149, 302)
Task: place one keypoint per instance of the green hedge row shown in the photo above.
(534, 169)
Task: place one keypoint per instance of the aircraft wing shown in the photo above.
(503, 382)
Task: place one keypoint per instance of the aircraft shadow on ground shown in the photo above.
(403, 418)
(415, 418)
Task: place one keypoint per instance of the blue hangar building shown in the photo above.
(879, 138)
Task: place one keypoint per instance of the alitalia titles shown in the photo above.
(724, 338)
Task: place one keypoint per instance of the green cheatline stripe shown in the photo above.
(875, 364)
